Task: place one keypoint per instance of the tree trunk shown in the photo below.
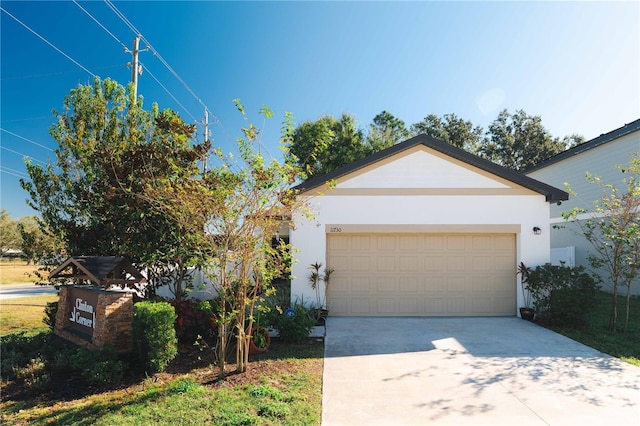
(614, 309)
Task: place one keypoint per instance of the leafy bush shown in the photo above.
(34, 374)
(154, 335)
(296, 327)
(17, 350)
(101, 366)
(194, 320)
(562, 295)
(50, 312)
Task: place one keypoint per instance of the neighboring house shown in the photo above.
(599, 156)
(422, 228)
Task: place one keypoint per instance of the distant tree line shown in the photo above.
(516, 141)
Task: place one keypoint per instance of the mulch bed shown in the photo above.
(198, 364)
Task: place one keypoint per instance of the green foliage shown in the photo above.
(451, 129)
(34, 375)
(38, 243)
(185, 386)
(613, 230)
(519, 141)
(562, 295)
(195, 319)
(384, 132)
(100, 367)
(295, 328)
(34, 360)
(17, 350)
(92, 196)
(50, 312)
(154, 335)
(324, 145)
(9, 234)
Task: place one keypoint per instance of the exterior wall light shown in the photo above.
(537, 230)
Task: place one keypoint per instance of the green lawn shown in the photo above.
(625, 346)
(284, 387)
(16, 271)
(24, 314)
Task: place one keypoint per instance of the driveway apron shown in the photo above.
(470, 371)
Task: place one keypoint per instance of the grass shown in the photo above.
(625, 346)
(24, 314)
(16, 271)
(286, 390)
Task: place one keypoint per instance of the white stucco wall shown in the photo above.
(464, 213)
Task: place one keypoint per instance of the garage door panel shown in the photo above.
(408, 285)
(422, 274)
(386, 306)
(409, 264)
(456, 306)
(360, 242)
(456, 284)
(386, 285)
(434, 285)
(361, 264)
(456, 242)
(408, 242)
(456, 263)
(434, 264)
(386, 264)
(361, 306)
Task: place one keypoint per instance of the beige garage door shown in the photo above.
(422, 274)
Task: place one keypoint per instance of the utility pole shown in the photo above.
(205, 138)
(136, 69)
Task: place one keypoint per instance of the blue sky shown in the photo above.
(576, 64)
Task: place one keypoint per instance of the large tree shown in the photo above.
(38, 244)
(519, 141)
(9, 234)
(612, 227)
(325, 144)
(451, 129)
(109, 150)
(386, 130)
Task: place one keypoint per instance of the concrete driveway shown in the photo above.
(470, 371)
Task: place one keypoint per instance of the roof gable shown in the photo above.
(381, 167)
(102, 270)
(419, 167)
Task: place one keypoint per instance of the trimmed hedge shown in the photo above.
(154, 335)
(562, 295)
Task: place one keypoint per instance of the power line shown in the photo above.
(23, 138)
(14, 172)
(42, 117)
(157, 55)
(47, 41)
(170, 94)
(101, 26)
(23, 155)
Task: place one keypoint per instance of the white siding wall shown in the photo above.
(521, 211)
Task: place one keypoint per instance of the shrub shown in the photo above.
(295, 327)
(154, 335)
(101, 366)
(193, 321)
(50, 312)
(562, 295)
(34, 374)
